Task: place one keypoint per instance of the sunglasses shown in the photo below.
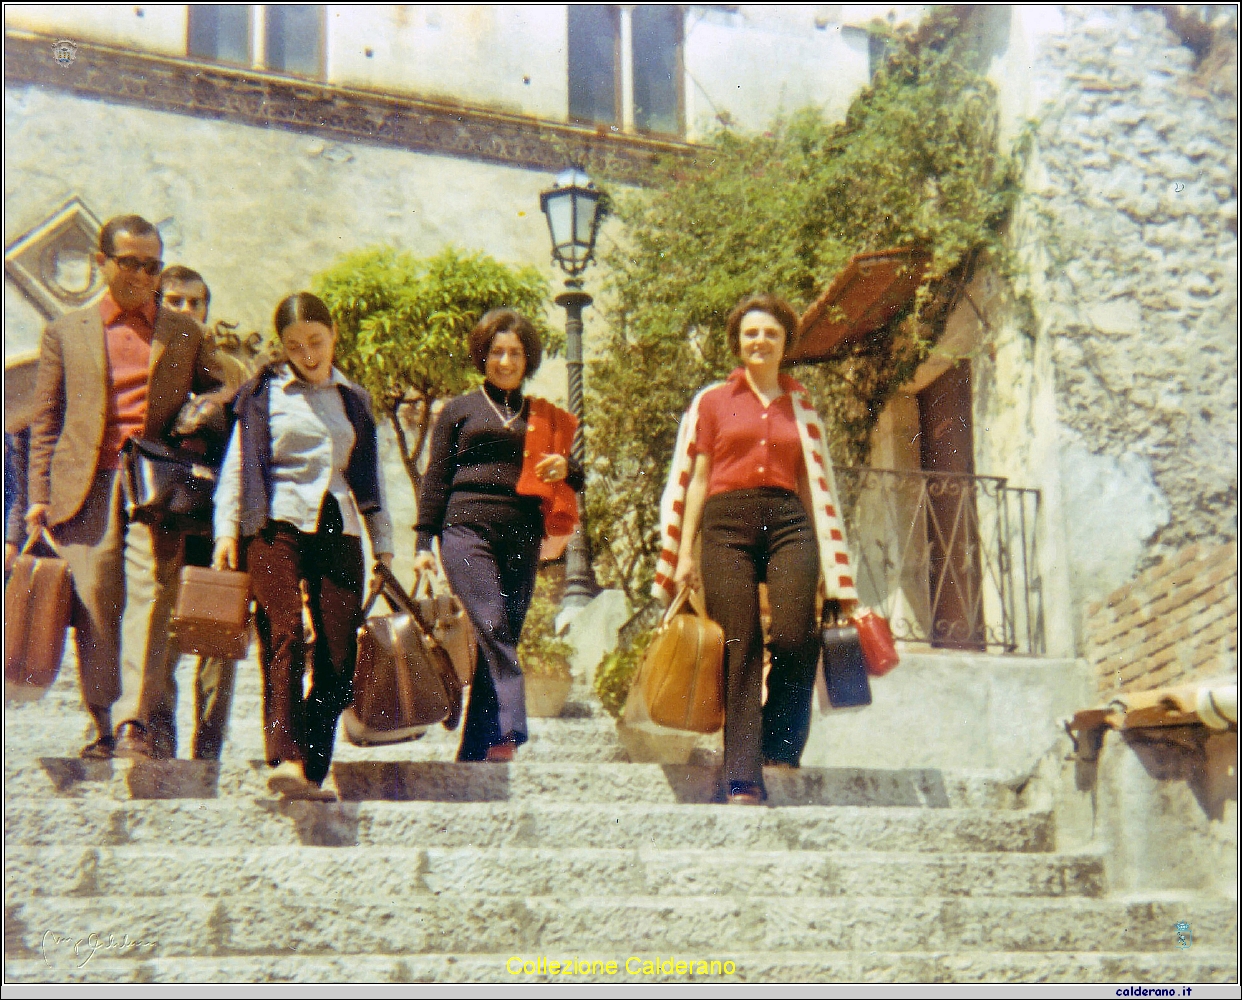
(131, 264)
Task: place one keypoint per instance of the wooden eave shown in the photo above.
(865, 294)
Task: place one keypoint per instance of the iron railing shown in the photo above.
(950, 559)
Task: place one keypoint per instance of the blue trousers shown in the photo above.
(491, 569)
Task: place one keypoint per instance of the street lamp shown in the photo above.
(572, 209)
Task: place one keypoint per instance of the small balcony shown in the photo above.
(950, 559)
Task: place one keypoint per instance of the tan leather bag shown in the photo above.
(446, 616)
(682, 670)
(37, 601)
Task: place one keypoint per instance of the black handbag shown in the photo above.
(167, 487)
(845, 668)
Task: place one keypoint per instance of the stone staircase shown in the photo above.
(428, 870)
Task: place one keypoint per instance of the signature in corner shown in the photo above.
(59, 949)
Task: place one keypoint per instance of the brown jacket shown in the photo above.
(72, 399)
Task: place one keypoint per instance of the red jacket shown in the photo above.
(549, 431)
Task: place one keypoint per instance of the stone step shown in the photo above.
(533, 823)
(361, 780)
(412, 871)
(56, 962)
(583, 740)
(274, 922)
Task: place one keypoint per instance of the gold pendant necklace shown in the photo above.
(496, 409)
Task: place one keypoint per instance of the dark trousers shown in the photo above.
(752, 536)
(491, 569)
(297, 726)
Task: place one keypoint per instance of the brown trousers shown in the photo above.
(301, 726)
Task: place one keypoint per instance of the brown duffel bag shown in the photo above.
(212, 617)
(403, 679)
(38, 599)
(681, 673)
(446, 615)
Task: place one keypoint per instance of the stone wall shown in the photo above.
(1128, 230)
(1175, 623)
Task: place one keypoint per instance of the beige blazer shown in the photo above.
(71, 399)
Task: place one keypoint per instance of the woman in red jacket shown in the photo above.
(500, 478)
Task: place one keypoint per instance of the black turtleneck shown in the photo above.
(475, 464)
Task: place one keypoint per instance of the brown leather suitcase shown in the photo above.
(682, 670)
(404, 679)
(212, 617)
(38, 598)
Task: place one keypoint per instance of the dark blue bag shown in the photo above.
(845, 668)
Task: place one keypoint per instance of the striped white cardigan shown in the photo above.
(834, 556)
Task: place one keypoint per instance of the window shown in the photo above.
(295, 38)
(288, 38)
(593, 84)
(220, 32)
(625, 67)
(656, 40)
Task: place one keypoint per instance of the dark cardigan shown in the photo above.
(252, 408)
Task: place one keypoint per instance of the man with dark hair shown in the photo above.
(118, 369)
(183, 290)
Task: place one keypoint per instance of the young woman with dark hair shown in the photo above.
(300, 477)
(751, 468)
(499, 479)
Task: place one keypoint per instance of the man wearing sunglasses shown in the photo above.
(117, 369)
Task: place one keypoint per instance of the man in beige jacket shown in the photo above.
(117, 369)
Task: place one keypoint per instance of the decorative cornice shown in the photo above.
(229, 93)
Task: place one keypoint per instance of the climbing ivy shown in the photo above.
(914, 163)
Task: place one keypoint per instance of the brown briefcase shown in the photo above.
(213, 613)
(38, 599)
(404, 679)
(681, 675)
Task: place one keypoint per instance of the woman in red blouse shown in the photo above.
(750, 493)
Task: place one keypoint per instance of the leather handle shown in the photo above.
(686, 593)
(42, 535)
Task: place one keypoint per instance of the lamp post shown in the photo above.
(572, 210)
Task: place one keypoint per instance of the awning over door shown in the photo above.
(869, 291)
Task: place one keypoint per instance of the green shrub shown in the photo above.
(616, 673)
(542, 653)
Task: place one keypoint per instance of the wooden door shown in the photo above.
(946, 444)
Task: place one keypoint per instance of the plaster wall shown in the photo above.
(955, 711)
(259, 212)
(744, 64)
(1127, 240)
(151, 27)
(752, 62)
(507, 56)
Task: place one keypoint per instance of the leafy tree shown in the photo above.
(403, 324)
(914, 163)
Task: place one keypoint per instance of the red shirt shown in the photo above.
(127, 339)
(750, 445)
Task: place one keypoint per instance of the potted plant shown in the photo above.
(544, 657)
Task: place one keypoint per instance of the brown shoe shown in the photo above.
(501, 753)
(132, 742)
(102, 749)
(743, 793)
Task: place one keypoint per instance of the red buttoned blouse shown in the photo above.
(750, 445)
